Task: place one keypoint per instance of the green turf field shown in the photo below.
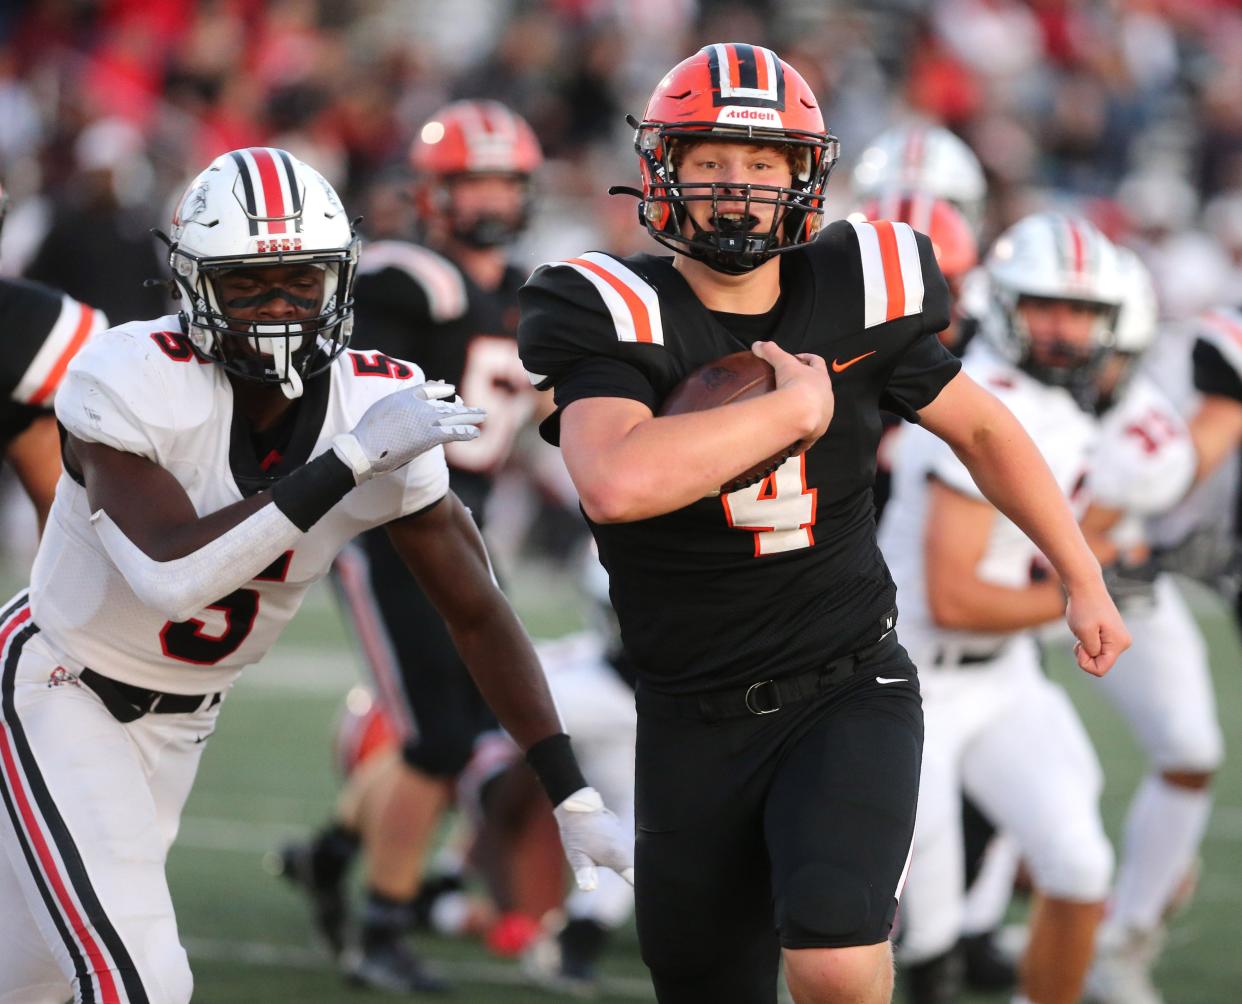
(267, 776)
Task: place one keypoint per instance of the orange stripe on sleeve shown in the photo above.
(85, 321)
(638, 309)
(889, 258)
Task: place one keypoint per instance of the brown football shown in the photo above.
(736, 377)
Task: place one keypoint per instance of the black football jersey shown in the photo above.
(412, 303)
(43, 329)
(781, 576)
(1217, 361)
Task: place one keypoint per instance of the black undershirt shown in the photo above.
(751, 328)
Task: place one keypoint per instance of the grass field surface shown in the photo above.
(267, 776)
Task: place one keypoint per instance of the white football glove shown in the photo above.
(591, 836)
(397, 428)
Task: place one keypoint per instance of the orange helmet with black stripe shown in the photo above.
(731, 91)
(468, 139)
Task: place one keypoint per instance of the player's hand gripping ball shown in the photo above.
(737, 377)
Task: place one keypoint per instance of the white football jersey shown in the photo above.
(138, 388)
(1064, 434)
(1212, 503)
(1145, 459)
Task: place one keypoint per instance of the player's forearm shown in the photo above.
(503, 664)
(963, 603)
(663, 464)
(1013, 475)
(1216, 430)
(203, 559)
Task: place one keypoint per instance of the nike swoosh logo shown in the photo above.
(841, 367)
(892, 679)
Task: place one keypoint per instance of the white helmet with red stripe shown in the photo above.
(923, 158)
(1052, 256)
(255, 208)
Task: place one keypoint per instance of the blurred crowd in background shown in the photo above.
(1129, 110)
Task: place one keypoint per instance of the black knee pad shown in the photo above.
(825, 906)
(437, 757)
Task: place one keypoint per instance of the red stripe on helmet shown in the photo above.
(273, 198)
(916, 145)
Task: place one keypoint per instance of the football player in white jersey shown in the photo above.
(973, 588)
(215, 463)
(1144, 464)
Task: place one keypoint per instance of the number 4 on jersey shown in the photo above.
(779, 510)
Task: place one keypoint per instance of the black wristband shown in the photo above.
(553, 761)
(310, 491)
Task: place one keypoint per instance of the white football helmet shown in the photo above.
(1052, 256)
(250, 209)
(1139, 314)
(923, 158)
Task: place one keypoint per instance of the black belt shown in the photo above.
(128, 703)
(941, 658)
(767, 696)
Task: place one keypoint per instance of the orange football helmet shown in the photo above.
(953, 239)
(468, 139)
(745, 94)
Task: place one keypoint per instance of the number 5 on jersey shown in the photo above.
(779, 510)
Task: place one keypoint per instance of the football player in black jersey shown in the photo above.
(43, 330)
(1216, 427)
(780, 727)
(450, 305)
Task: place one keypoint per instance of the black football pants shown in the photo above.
(791, 830)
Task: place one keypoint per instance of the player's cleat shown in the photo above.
(937, 980)
(427, 902)
(568, 961)
(1121, 971)
(390, 964)
(296, 863)
(988, 969)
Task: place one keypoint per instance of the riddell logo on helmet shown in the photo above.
(748, 116)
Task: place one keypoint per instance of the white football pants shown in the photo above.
(91, 807)
(1009, 737)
